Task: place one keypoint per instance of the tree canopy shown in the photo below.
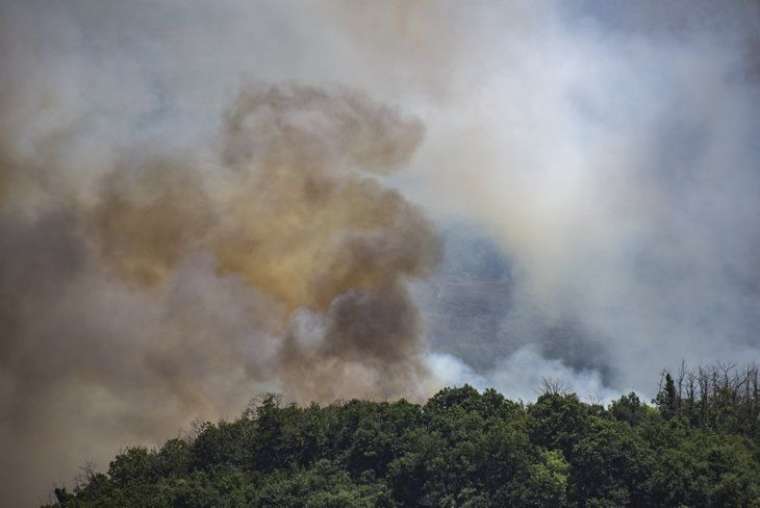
(697, 444)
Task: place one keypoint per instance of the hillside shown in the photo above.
(697, 444)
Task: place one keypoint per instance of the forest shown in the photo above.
(696, 444)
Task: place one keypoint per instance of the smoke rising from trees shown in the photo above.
(200, 202)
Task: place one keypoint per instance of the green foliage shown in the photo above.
(628, 409)
(558, 421)
(461, 449)
(667, 400)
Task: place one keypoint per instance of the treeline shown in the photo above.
(696, 445)
(718, 397)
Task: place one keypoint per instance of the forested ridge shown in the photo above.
(696, 444)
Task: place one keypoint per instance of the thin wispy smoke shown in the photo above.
(623, 198)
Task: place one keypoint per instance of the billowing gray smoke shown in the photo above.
(144, 286)
(285, 263)
(200, 201)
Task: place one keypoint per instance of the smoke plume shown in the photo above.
(281, 263)
(202, 201)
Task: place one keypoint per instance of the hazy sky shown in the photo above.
(204, 201)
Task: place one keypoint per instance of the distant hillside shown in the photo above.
(697, 444)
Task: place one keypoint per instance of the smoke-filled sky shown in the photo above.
(204, 201)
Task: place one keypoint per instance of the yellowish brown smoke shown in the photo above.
(158, 287)
(296, 212)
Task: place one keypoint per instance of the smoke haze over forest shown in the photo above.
(205, 201)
